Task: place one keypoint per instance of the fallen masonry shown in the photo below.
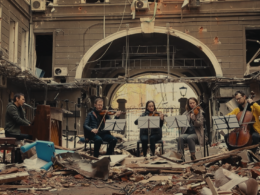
(228, 172)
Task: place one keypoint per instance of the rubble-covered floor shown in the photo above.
(223, 172)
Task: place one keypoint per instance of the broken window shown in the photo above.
(24, 49)
(13, 41)
(253, 47)
(44, 52)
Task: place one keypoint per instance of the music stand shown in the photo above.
(115, 125)
(149, 122)
(225, 122)
(177, 122)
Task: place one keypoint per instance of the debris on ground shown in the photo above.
(225, 172)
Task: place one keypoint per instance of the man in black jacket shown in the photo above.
(15, 117)
(93, 132)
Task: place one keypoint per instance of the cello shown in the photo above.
(241, 136)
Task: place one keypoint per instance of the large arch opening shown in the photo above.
(165, 95)
(148, 54)
(189, 52)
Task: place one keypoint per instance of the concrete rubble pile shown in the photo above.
(228, 172)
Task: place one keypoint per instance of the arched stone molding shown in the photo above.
(157, 29)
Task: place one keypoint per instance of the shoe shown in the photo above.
(192, 156)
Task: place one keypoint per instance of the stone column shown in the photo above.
(121, 107)
(182, 104)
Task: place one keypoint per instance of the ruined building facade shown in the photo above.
(74, 42)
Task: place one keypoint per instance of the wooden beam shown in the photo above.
(175, 161)
(225, 153)
(211, 186)
(14, 186)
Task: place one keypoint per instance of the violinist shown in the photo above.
(252, 107)
(156, 133)
(93, 126)
(195, 133)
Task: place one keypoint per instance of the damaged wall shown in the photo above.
(223, 33)
(17, 12)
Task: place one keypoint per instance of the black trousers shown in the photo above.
(19, 137)
(153, 139)
(255, 138)
(98, 140)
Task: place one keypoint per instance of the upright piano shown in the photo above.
(46, 125)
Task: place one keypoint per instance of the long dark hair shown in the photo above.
(187, 107)
(148, 102)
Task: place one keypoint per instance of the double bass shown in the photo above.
(241, 136)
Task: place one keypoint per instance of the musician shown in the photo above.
(195, 133)
(15, 117)
(156, 133)
(92, 132)
(252, 107)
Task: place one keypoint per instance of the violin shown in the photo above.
(154, 114)
(196, 110)
(241, 136)
(108, 112)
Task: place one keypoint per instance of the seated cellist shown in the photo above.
(252, 107)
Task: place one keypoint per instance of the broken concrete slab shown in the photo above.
(76, 162)
(114, 159)
(229, 181)
(249, 187)
(13, 177)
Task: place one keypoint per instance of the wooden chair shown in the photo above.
(138, 146)
(92, 142)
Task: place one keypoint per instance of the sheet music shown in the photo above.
(120, 124)
(182, 121)
(222, 122)
(177, 121)
(154, 122)
(114, 125)
(109, 125)
(171, 121)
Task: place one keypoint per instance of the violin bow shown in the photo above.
(103, 117)
(158, 106)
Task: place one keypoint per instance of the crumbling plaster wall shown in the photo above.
(229, 49)
(221, 31)
(17, 11)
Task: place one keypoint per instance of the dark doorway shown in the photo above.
(44, 53)
(252, 46)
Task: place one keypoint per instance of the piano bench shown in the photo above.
(92, 142)
(8, 143)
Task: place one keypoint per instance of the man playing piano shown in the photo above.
(15, 117)
(93, 128)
